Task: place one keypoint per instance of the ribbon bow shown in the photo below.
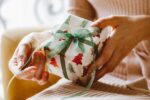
(78, 37)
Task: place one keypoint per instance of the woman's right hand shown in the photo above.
(35, 71)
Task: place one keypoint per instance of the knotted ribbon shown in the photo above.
(78, 37)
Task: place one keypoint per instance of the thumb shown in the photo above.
(23, 54)
(112, 21)
(39, 61)
(28, 73)
(19, 58)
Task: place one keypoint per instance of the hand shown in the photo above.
(36, 69)
(127, 32)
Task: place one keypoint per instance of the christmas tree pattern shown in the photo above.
(78, 59)
(53, 62)
(71, 68)
(84, 23)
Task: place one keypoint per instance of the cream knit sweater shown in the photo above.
(134, 67)
(101, 8)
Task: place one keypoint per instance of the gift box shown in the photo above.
(72, 48)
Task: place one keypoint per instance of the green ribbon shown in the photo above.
(78, 37)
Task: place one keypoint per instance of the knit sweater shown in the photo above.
(101, 8)
(134, 66)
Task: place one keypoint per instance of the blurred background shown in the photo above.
(30, 13)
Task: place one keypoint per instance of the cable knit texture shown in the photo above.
(137, 64)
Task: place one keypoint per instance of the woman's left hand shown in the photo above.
(127, 32)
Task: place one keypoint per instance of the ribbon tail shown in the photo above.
(62, 58)
(81, 46)
(90, 43)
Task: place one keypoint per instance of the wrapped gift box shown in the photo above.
(73, 47)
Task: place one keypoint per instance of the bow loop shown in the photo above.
(78, 36)
(82, 33)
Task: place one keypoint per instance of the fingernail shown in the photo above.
(93, 24)
(45, 76)
(20, 63)
(41, 82)
(36, 54)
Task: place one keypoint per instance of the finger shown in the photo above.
(13, 65)
(39, 62)
(109, 66)
(28, 73)
(112, 21)
(45, 77)
(106, 53)
(24, 52)
(146, 46)
(140, 54)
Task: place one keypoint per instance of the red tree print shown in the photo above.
(53, 62)
(78, 59)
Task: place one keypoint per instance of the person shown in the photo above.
(126, 53)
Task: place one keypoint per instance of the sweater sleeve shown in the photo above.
(81, 8)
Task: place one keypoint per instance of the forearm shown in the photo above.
(139, 26)
(147, 27)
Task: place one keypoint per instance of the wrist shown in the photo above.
(146, 28)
